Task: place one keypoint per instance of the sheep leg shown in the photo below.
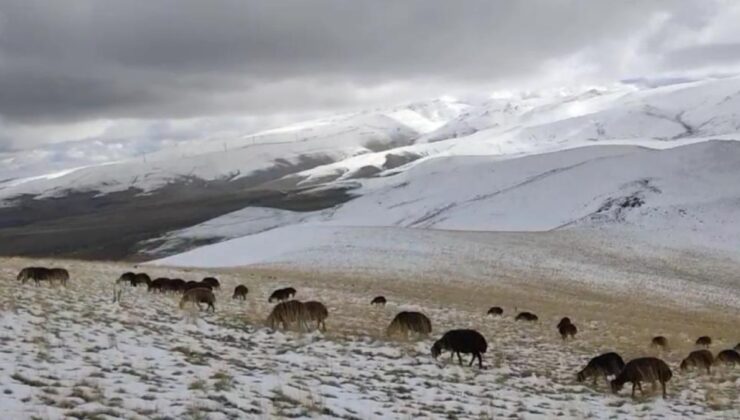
(472, 359)
(480, 361)
(639, 385)
(634, 385)
(459, 358)
(663, 385)
(213, 308)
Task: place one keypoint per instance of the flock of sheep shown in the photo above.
(289, 313)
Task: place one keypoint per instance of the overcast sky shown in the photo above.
(153, 70)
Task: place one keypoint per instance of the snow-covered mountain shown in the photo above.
(510, 162)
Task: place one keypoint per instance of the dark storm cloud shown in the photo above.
(80, 59)
(72, 61)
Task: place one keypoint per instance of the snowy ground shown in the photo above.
(72, 352)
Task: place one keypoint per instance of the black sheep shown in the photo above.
(603, 365)
(462, 341)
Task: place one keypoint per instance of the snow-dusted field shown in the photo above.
(72, 352)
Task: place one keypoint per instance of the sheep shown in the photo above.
(196, 284)
(649, 369)
(240, 292)
(140, 278)
(461, 341)
(495, 311)
(729, 357)
(659, 341)
(317, 312)
(280, 295)
(127, 277)
(37, 274)
(526, 316)
(567, 330)
(564, 321)
(199, 295)
(175, 285)
(698, 359)
(378, 300)
(159, 284)
(704, 341)
(406, 322)
(603, 365)
(211, 281)
(286, 313)
(58, 274)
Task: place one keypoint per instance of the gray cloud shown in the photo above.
(72, 61)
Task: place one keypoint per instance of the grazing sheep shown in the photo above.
(603, 365)
(127, 277)
(196, 284)
(648, 369)
(175, 285)
(406, 322)
(317, 312)
(698, 359)
(567, 330)
(378, 300)
(39, 274)
(240, 292)
(58, 274)
(564, 321)
(286, 313)
(198, 296)
(704, 341)
(461, 341)
(160, 284)
(211, 281)
(279, 295)
(32, 273)
(729, 357)
(526, 316)
(495, 311)
(659, 341)
(140, 278)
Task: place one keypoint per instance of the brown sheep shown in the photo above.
(211, 281)
(240, 292)
(495, 311)
(603, 365)
(729, 357)
(127, 277)
(648, 369)
(198, 296)
(409, 322)
(196, 284)
(659, 341)
(704, 341)
(58, 274)
(160, 284)
(286, 313)
(279, 295)
(175, 285)
(526, 316)
(564, 321)
(37, 274)
(141, 278)
(567, 330)
(317, 312)
(698, 359)
(461, 341)
(378, 300)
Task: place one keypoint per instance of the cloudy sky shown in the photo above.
(153, 71)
